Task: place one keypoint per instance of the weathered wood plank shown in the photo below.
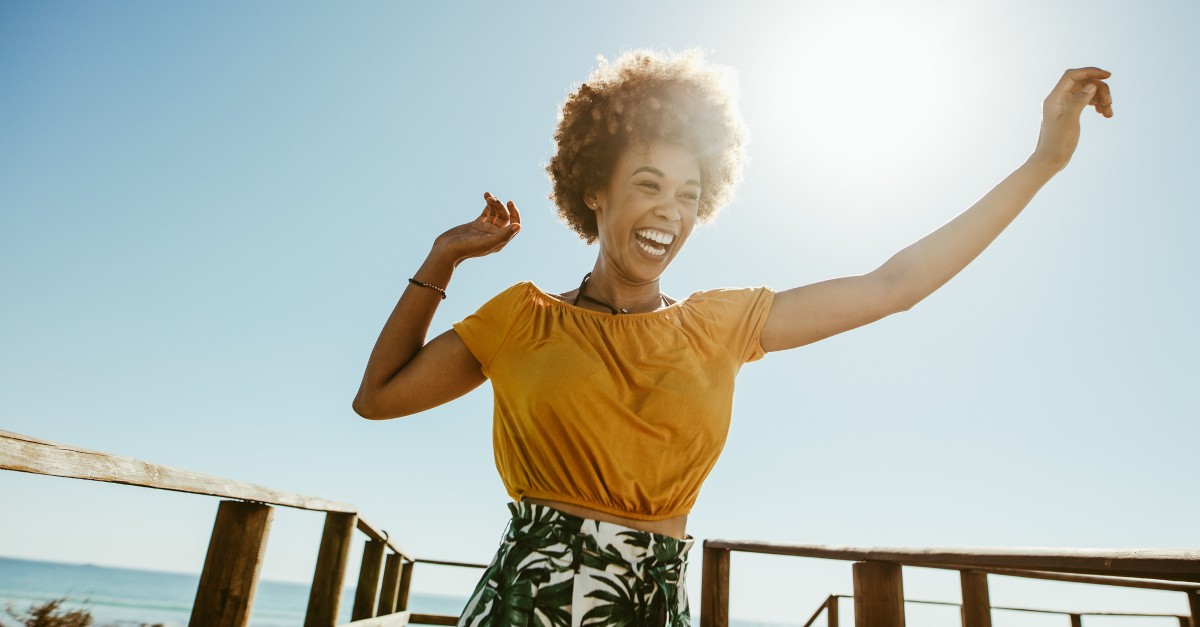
(1065, 613)
(824, 607)
(1100, 580)
(878, 595)
(389, 593)
(368, 580)
(405, 583)
(1165, 564)
(976, 605)
(330, 572)
(434, 619)
(714, 588)
(382, 536)
(230, 576)
(1076, 620)
(25, 454)
(1194, 604)
(1055, 612)
(398, 619)
(832, 609)
(445, 563)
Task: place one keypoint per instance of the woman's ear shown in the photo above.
(594, 199)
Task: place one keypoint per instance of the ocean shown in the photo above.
(125, 597)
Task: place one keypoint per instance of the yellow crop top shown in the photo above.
(624, 414)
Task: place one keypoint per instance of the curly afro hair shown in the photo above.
(644, 97)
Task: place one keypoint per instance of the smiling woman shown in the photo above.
(646, 212)
(613, 401)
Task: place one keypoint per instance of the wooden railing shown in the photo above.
(879, 591)
(229, 579)
(829, 607)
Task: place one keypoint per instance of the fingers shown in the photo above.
(514, 216)
(501, 215)
(494, 212)
(1074, 83)
(1071, 78)
(1103, 99)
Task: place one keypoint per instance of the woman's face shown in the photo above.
(648, 209)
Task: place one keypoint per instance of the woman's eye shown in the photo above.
(649, 185)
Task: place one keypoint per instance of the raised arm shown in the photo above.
(404, 374)
(814, 312)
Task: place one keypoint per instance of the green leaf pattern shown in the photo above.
(558, 570)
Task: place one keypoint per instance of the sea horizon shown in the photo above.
(122, 596)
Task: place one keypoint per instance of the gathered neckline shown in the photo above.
(576, 308)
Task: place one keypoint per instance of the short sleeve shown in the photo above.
(484, 331)
(754, 317)
(734, 318)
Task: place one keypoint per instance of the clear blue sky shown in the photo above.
(207, 212)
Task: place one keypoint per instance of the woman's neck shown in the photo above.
(613, 289)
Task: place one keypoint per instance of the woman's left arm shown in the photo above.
(814, 312)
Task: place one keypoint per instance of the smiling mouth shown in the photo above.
(654, 242)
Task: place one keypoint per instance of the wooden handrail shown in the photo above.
(876, 570)
(236, 543)
(824, 606)
(1164, 564)
(1101, 580)
(40, 457)
(1037, 610)
(445, 563)
(833, 597)
(397, 619)
(381, 536)
(878, 588)
(23, 453)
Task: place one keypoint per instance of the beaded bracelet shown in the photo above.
(432, 287)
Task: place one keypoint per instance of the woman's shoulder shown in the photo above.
(517, 291)
(729, 295)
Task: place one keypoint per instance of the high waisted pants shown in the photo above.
(558, 570)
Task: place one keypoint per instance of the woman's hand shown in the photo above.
(404, 374)
(483, 236)
(1060, 115)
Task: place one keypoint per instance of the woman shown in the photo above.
(612, 400)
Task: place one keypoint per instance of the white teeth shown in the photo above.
(653, 251)
(661, 238)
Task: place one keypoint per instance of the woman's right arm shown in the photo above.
(404, 375)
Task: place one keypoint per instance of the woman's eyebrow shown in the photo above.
(654, 170)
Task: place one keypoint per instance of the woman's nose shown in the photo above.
(668, 209)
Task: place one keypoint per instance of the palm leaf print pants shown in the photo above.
(558, 570)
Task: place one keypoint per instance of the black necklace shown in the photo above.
(614, 310)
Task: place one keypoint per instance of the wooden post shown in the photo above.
(878, 595)
(405, 582)
(714, 588)
(1194, 603)
(976, 606)
(368, 580)
(1184, 621)
(389, 594)
(831, 611)
(230, 576)
(1076, 620)
(326, 590)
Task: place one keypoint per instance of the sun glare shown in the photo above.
(867, 90)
